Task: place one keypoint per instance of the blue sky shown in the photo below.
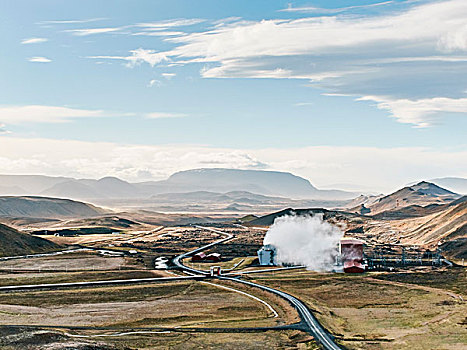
(319, 88)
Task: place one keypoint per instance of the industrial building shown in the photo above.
(351, 254)
(267, 255)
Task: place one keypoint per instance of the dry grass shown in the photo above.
(370, 314)
(163, 305)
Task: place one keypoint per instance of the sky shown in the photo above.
(362, 95)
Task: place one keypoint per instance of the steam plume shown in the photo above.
(305, 240)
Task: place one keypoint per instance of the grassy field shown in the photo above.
(174, 304)
(162, 305)
(8, 279)
(368, 312)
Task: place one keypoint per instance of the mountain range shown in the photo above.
(269, 183)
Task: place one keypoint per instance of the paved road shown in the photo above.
(312, 325)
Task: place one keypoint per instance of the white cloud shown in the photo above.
(138, 56)
(162, 25)
(311, 9)
(43, 114)
(168, 76)
(157, 115)
(422, 112)
(39, 59)
(3, 129)
(92, 31)
(73, 21)
(154, 82)
(164, 33)
(412, 53)
(391, 167)
(34, 40)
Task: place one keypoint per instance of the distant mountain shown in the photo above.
(270, 183)
(107, 187)
(422, 194)
(243, 197)
(267, 183)
(72, 189)
(43, 207)
(30, 184)
(455, 184)
(13, 242)
(11, 190)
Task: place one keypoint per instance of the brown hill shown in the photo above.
(422, 194)
(44, 207)
(444, 226)
(13, 242)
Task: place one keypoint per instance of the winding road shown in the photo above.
(311, 324)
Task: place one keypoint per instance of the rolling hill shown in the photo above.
(447, 226)
(43, 207)
(422, 194)
(14, 243)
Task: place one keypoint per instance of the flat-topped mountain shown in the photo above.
(269, 183)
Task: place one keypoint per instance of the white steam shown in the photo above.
(305, 240)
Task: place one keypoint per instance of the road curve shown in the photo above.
(177, 261)
(312, 325)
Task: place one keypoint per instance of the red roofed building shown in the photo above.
(198, 257)
(352, 255)
(213, 257)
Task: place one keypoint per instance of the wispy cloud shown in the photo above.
(413, 54)
(3, 130)
(39, 59)
(421, 112)
(138, 56)
(163, 25)
(73, 21)
(154, 82)
(43, 114)
(311, 9)
(34, 41)
(157, 33)
(92, 31)
(158, 115)
(168, 76)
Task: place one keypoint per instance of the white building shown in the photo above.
(267, 255)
